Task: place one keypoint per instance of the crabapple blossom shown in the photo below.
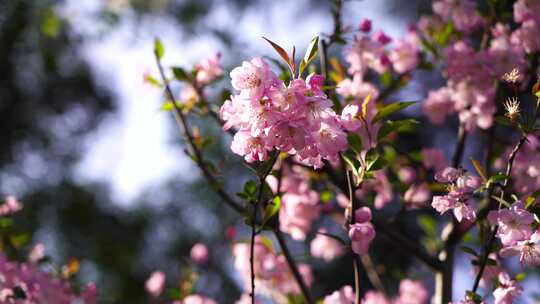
(375, 297)
(10, 206)
(406, 174)
(514, 223)
(406, 54)
(197, 299)
(462, 13)
(361, 235)
(325, 247)
(356, 88)
(528, 250)
(272, 273)
(155, 283)
(382, 188)
(462, 185)
(417, 195)
(506, 290)
(199, 253)
(345, 295)
(38, 286)
(412, 292)
(208, 69)
(297, 119)
(365, 26)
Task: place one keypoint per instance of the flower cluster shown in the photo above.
(326, 247)
(296, 118)
(515, 230)
(272, 275)
(206, 71)
(299, 203)
(472, 73)
(461, 186)
(361, 232)
(27, 281)
(410, 292)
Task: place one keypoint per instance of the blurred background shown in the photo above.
(101, 170)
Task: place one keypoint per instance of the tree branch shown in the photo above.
(193, 150)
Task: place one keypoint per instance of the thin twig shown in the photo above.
(194, 151)
(487, 249)
(293, 267)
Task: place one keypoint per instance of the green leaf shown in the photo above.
(532, 198)
(271, 209)
(521, 276)
(443, 36)
(353, 163)
(310, 55)
(405, 125)
(378, 164)
(355, 143)
(6, 223)
(469, 250)
(281, 52)
(159, 51)
(180, 74)
(326, 196)
(153, 81)
(390, 109)
(386, 79)
(428, 224)
(250, 187)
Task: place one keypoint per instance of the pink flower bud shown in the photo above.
(365, 26)
(362, 215)
(155, 283)
(199, 253)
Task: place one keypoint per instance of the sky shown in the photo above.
(132, 150)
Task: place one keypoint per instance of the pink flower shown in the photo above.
(528, 36)
(462, 13)
(443, 203)
(10, 206)
(37, 253)
(406, 54)
(361, 235)
(209, 69)
(382, 188)
(417, 195)
(199, 253)
(438, 105)
(362, 215)
(434, 158)
(375, 297)
(188, 94)
(365, 52)
(155, 283)
(325, 247)
(197, 299)
(526, 10)
(412, 292)
(406, 174)
(528, 250)
(297, 212)
(345, 295)
(357, 88)
(365, 26)
(382, 38)
(507, 290)
(253, 78)
(514, 223)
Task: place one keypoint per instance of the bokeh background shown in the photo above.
(101, 170)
